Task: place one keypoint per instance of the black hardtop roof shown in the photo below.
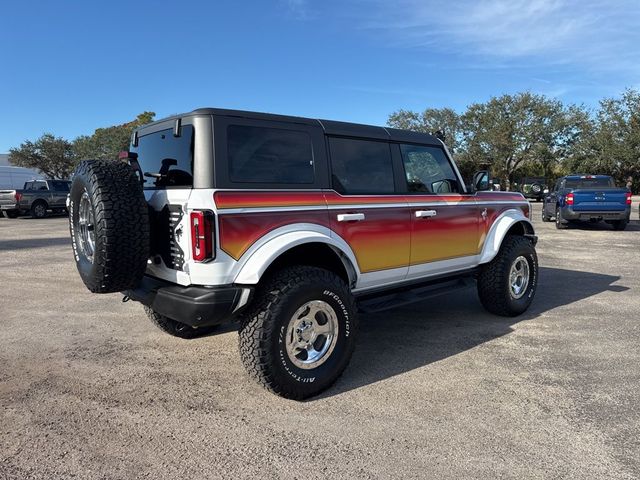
(330, 127)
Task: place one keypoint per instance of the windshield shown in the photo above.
(589, 183)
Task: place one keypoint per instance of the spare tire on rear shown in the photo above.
(109, 225)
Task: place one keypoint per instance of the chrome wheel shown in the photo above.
(86, 227)
(519, 277)
(312, 334)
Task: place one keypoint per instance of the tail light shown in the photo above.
(18, 196)
(202, 235)
(569, 199)
(628, 195)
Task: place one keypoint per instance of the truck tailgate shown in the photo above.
(605, 200)
(7, 197)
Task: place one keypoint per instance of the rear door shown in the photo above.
(166, 159)
(445, 227)
(367, 210)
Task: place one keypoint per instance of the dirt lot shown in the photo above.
(90, 389)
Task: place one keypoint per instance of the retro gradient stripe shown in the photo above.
(390, 237)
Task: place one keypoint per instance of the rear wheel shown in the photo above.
(177, 329)
(12, 213)
(507, 284)
(619, 224)
(299, 334)
(561, 224)
(39, 209)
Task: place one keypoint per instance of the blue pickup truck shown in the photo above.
(588, 198)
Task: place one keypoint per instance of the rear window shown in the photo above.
(589, 183)
(166, 161)
(269, 155)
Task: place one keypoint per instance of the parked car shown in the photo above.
(533, 187)
(37, 198)
(291, 226)
(587, 198)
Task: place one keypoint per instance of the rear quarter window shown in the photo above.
(269, 155)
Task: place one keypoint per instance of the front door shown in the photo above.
(445, 223)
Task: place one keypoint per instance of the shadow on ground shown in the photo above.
(396, 341)
(633, 226)
(32, 243)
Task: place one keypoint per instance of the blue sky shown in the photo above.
(69, 67)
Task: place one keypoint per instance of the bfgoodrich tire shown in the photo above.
(109, 225)
(507, 284)
(299, 334)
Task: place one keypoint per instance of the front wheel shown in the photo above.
(507, 284)
(298, 336)
(545, 217)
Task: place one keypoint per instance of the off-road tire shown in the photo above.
(619, 224)
(121, 225)
(494, 283)
(12, 213)
(39, 209)
(174, 328)
(561, 224)
(263, 327)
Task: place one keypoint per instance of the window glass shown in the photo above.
(269, 155)
(588, 183)
(60, 186)
(361, 166)
(428, 170)
(165, 160)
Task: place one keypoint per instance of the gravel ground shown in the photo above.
(441, 389)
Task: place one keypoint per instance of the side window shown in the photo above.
(165, 160)
(269, 155)
(361, 166)
(28, 185)
(428, 170)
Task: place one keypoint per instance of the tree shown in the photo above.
(432, 120)
(613, 145)
(508, 131)
(106, 143)
(53, 156)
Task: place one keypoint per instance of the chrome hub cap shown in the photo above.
(86, 227)
(312, 334)
(519, 277)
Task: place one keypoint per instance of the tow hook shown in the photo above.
(126, 298)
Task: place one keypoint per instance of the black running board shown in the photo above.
(417, 293)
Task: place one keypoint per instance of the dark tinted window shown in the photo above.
(165, 160)
(361, 166)
(269, 155)
(587, 183)
(60, 186)
(428, 170)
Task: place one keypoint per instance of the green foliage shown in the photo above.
(49, 154)
(106, 143)
(532, 135)
(57, 157)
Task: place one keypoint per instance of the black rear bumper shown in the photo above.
(194, 305)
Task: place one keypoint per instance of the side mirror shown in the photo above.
(480, 181)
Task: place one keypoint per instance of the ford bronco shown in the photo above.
(292, 226)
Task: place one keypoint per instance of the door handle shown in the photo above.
(350, 217)
(425, 213)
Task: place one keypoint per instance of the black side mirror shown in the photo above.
(480, 181)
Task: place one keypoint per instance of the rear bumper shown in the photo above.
(194, 305)
(9, 206)
(569, 213)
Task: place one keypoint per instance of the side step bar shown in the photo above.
(372, 304)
